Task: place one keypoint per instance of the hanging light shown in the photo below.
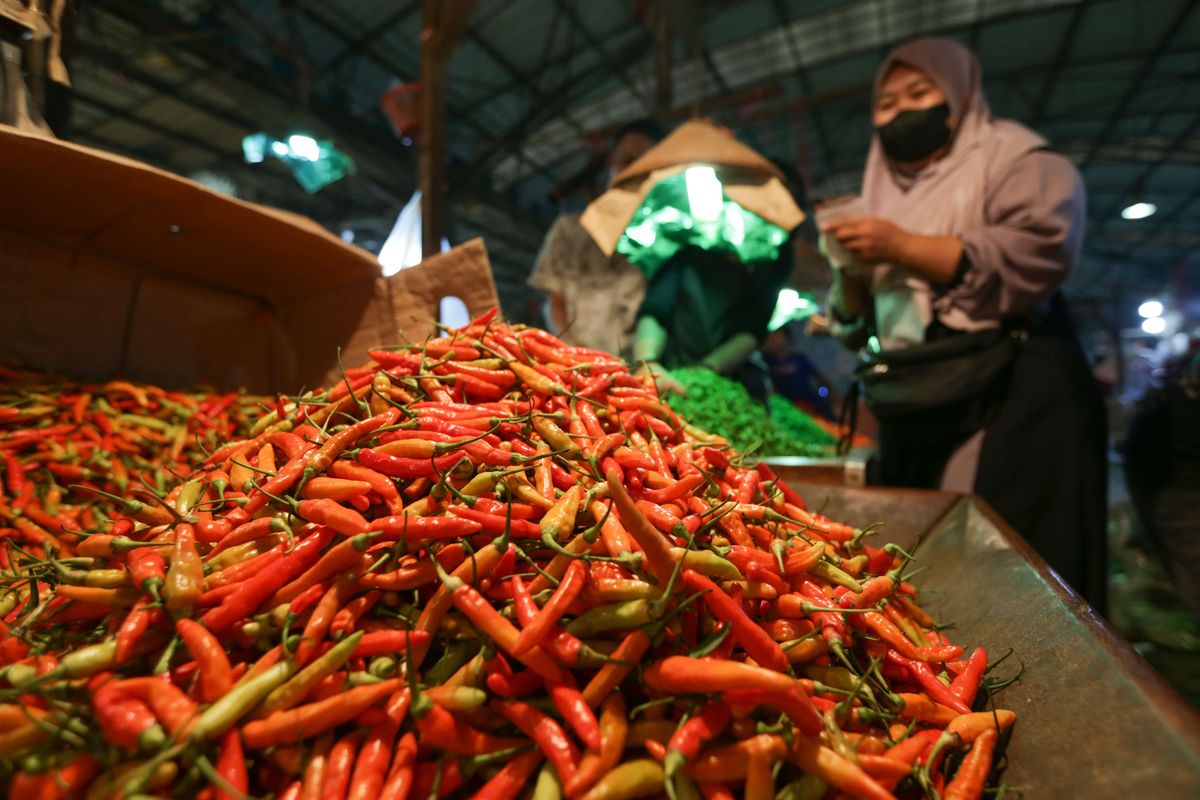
(1138, 211)
(704, 193)
(1154, 326)
(304, 147)
(1150, 309)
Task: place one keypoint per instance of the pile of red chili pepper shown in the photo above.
(488, 565)
(76, 455)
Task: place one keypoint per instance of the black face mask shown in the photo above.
(915, 134)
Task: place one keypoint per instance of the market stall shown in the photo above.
(490, 563)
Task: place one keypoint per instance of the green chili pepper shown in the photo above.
(614, 617)
(223, 714)
(288, 694)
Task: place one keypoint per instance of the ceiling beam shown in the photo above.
(818, 121)
(359, 45)
(555, 105)
(457, 113)
(512, 138)
(1134, 87)
(706, 56)
(351, 132)
(1065, 46)
(597, 45)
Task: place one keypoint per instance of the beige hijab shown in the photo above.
(947, 197)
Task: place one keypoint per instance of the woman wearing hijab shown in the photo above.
(974, 369)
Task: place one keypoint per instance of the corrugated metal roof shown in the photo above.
(1113, 83)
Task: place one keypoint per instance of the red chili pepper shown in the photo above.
(966, 685)
(515, 685)
(757, 643)
(687, 740)
(481, 613)
(546, 733)
(655, 548)
(400, 777)
(125, 721)
(345, 521)
(340, 490)
(339, 762)
(231, 766)
(873, 591)
(242, 570)
(794, 702)
(674, 491)
(333, 447)
(215, 671)
(576, 712)
(174, 709)
(562, 645)
(14, 474)
(294, 724)
(380, 484)
(937, 690)
(440, 728)
(307, 599)
(419, 529)
(969, 780)
(343, 557)
(833, 628)
(702, 675)
(134, 628)
(346, 619)
(512, 776)
(366, 782)
(407, 468)
(538, 629)
(377, 643)
(884, 629)
(908, 750)
(255, 590)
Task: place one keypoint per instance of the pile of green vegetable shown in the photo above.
(724, 407)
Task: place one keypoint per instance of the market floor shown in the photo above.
(1142, 603)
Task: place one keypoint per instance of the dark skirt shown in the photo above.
(1043, 462)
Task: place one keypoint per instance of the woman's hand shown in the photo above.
(871, 239)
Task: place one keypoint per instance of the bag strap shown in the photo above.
(848, 418)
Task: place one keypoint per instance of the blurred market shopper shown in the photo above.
(971, 361)
(1162, 471)
(594, 298)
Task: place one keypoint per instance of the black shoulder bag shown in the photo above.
(937, 373)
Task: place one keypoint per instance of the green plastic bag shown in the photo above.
(691, 208)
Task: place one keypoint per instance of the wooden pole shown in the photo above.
(431, 162)
(663, 91)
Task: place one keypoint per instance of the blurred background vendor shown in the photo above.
(594, 298)
(707, 307)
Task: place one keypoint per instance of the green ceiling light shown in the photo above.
(315, 163)
(691, 208)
